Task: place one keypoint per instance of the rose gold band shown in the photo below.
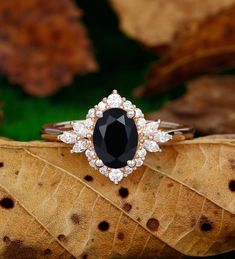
(179, 132)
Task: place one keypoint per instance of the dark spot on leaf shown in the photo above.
(120, 236)
(169, 185)
(127, 207)
(123, 192)
(7, 203)
(15, 249)
(88, 178)
(206, 227)
(103, 226)
(85, 257)
(40, 184)
(138, 219)
(6, 239)
(47, 251)
(232, 185)
(232, 163)
(1, 164)
(16, 172)
(205, 224)
(62, 154)
(54, 183)
(75, 219)
(62, 238)
(229, 238)
(152, 224)
(228, 31)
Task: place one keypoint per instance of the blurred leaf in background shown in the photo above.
(156, 23)
(209, 48)
(208, 105)
(42, 44)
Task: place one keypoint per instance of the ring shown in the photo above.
(115, 136)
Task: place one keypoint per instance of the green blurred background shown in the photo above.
(123, 64)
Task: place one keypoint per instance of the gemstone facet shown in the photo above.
(115, 138)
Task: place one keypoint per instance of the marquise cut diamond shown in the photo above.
(68, 137)
(80, 128)
(151, 127)
(151, 146)
(161, 136)
(80, 146)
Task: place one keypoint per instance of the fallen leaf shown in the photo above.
(180, 202)
(211, 48)
(157, 22)
(208, 105)
(43, 44)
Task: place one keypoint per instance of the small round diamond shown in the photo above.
(88, 122)
(127, 170)
(99, 114)
(91, 113)
(131, 163)
(130, 114)
(99, 163)
(102, 106)
(114, 100)
(142, 152)
(139, 162)
(127, 105)
(90, 154)
(103, 170)
(138, 113)
(116, 175)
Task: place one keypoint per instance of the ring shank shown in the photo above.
(179, 132)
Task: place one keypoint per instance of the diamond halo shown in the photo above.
(149, 136)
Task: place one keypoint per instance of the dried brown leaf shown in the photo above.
(208, 49)
(208, 105)
(43, 44)
(181, 201)
(157, 22)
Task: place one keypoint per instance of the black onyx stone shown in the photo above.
(115, 138)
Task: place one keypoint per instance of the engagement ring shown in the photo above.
(115, 136)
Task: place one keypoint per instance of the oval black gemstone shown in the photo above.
(115, 138)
